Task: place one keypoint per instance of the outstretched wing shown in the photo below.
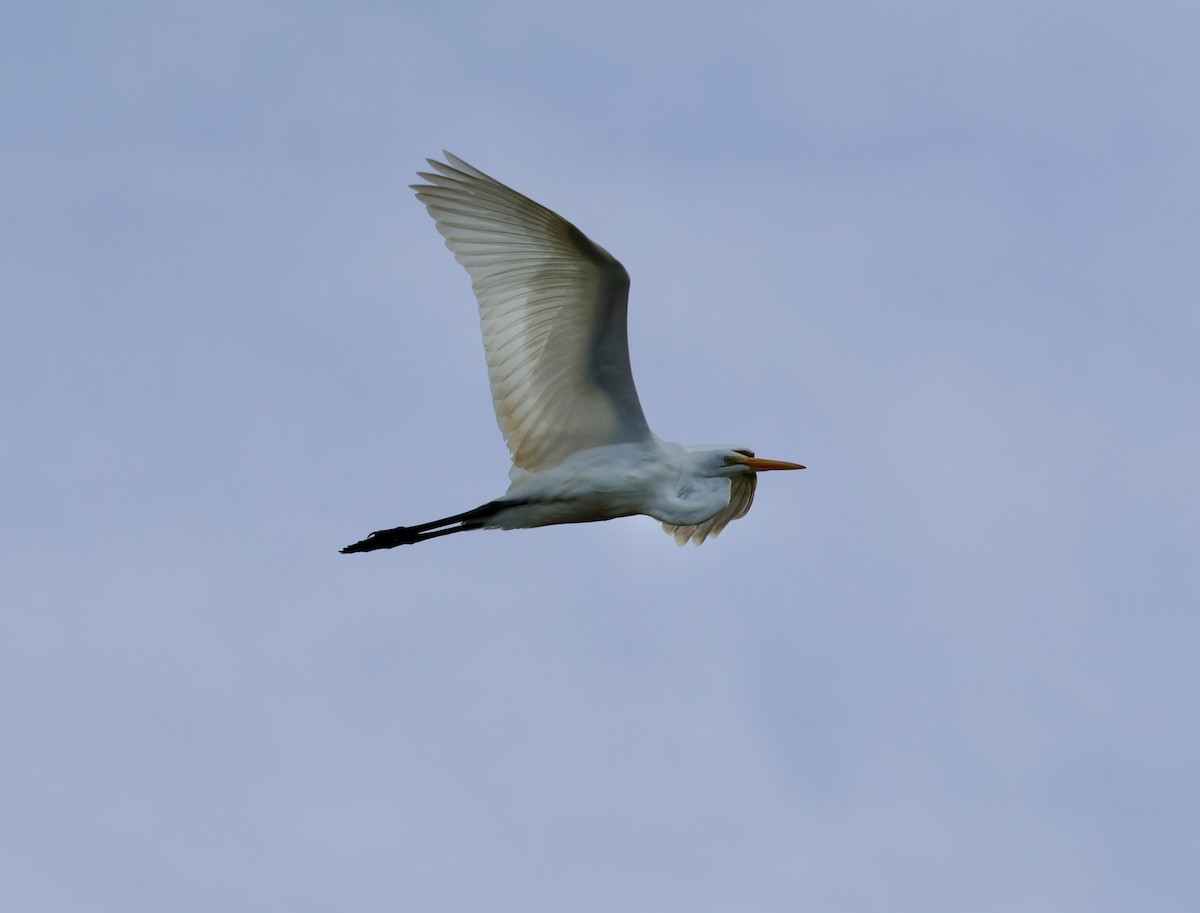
(741, 496)
(553, 309)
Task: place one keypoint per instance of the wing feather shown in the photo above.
(741, 496)
(552, 308)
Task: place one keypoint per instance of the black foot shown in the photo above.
(384, 538)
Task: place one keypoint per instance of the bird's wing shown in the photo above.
(552, 305)
(741, 496)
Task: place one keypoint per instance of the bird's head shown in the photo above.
(739, 461)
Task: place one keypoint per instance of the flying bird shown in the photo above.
(553, 310)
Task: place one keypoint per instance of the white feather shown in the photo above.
(553, 311)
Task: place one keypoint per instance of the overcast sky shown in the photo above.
(944, 254)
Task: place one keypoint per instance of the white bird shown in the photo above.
(553, 309)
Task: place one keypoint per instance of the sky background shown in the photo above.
(944, 254)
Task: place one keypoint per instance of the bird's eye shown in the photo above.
(729, 461)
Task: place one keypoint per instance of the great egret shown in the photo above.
(553, 309)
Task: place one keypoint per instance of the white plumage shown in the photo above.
(552, 306)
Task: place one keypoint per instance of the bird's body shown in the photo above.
(553, 312)
(618, 480)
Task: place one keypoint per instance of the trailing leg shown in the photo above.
(408, 535)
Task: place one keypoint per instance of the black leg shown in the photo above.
(408, 535)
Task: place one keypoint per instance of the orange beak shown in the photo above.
(763, 465)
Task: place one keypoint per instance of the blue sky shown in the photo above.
(945, 255)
